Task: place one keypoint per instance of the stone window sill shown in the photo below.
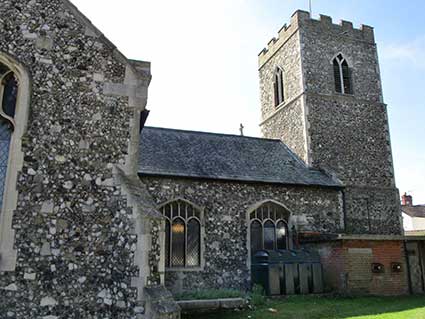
(345, 94)
(281, 105)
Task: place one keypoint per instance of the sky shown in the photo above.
(205, 67)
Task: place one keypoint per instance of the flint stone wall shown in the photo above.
(74, 231)
(322, 41)
(289, 61)
(287, 125)
(373, 211)
(351, 138)
(225, 209)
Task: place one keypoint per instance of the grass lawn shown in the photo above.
(313, 307)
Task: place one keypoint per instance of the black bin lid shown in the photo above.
(286, 256)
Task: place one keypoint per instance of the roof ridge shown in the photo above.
(212, 133)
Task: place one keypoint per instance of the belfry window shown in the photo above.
(182, 234)
(342, 75)
(279, 87)
(269, 227)
(8, 96)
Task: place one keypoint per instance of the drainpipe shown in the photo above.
(421, 264)
(344, 210)
(143, 117)
(409, 278)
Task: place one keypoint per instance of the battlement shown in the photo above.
(302, 19)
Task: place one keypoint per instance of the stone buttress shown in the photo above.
(80, 239)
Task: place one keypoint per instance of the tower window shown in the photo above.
(182, 234)
(279, 88)
(342, 75)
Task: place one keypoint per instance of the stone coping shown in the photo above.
(415, 237)
(211, 304)
(337, 237)
(370, 237)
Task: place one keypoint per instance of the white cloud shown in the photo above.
(412, 52)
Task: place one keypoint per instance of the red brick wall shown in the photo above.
(385, 253)
(332, 258)
(347, 267)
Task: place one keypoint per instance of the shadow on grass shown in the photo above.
(315, 307)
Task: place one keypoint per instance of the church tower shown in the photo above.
(321, 95)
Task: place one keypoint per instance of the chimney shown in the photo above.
(406, 200)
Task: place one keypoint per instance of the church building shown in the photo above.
(321, 178)
(103, 216)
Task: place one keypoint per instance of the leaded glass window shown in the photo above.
(281, 234)
(5, 135)
(256, 235)
(193, 242)
(342, 75)
(269, 235)
(269, 227)
(178, 243)
(8, 95)
(182, 234)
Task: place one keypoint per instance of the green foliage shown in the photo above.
(208, 294)
(257, 296)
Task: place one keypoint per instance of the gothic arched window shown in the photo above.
(342, 75)
(269, 227)
(279, 87)
(182, 234)
(8, 96)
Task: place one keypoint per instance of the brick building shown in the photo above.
(413, 215)
(99, 213)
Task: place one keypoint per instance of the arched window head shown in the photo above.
(182, 234)
(8, 96)
(279, 87)
(269, 227)
(15, 93)
(342, 75)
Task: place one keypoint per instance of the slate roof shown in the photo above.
(414, 211)
(170, 152)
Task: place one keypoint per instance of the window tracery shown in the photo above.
(182, 234)
(269, 227)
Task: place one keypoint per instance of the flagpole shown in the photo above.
(309, 3)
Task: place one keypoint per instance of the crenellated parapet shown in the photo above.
(302, 20)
